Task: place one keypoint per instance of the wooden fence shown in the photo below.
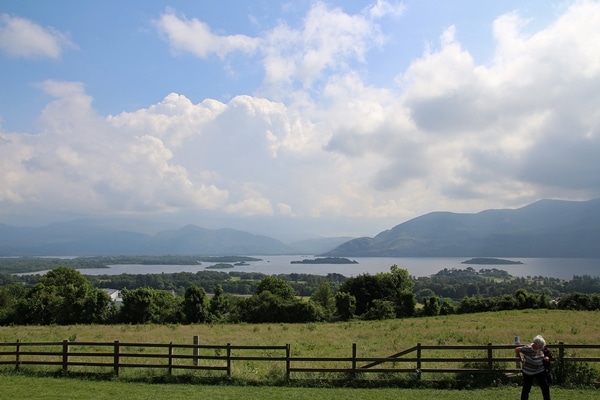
(417, 360)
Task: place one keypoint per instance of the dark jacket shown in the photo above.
(548, 364)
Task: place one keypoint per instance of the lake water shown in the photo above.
(563, 268)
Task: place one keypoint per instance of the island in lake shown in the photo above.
(220, 266)
(326, 260)
(490, 261)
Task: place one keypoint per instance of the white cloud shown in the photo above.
(522, 128)
(80, 162)
(383, 8)
(23, 38)
(452, 134)
(328, 40)
(246, 147)
(195, 36)
(253, 203)
(174, 119)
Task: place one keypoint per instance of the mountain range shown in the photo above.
(92, 238)
(547, 228)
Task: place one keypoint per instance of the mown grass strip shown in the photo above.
(18, 387)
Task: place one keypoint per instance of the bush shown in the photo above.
(573, 374)
(381, 309)
(483, 379)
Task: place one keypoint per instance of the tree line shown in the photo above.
(64, 296)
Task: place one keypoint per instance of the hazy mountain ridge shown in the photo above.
(68, 238)
(547, 228)
(317, 245)
(192, 239)
(86, 238)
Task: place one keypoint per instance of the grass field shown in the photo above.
(376, 338)
(16, 387)
(373, 339)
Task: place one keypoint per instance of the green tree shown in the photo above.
(381, 309)
(63, 296)
(145, 305)
(264, 307)
(345, 304)
(365, 288)
(277, 287)
(219, 304)
(394, 286)
(323, 296)
(431, 306)
(525, 300)
(167, 307)
(406, 305)
(507, 302)
(195, 305)
(401, 279)
(9, 295)
(276, 301)
(447, 307)
(137, 306)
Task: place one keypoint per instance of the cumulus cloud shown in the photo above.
(327, 40)
(384, 8)
(196, 37)
(451, 134)
(174, 119)
(23, 38)
(522, 124)
(81, 162)
(257, 149)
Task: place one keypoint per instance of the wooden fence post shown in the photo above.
(561, 351)
(116, 357)
(353, 360)
(419, 360)
(65, 355)
(490, 357)
(196, 352)
(229, 359)
(288, 354)
(18, 355)
(170, 358)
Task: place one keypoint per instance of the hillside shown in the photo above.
(86, 238)
(547, 228)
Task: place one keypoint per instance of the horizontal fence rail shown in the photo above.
(417, 360)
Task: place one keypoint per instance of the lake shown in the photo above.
(563, 268)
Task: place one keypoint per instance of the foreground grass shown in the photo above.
(18, 387)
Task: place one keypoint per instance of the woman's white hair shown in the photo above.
(539, 342)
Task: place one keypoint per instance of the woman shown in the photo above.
(533, 367)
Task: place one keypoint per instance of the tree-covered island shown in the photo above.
(326, 260)
(219, 266)
(490, 261)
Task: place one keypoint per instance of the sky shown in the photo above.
(329, 118)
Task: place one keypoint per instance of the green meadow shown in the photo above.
(373, 339)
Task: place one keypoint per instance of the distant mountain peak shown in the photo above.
(545, 228)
